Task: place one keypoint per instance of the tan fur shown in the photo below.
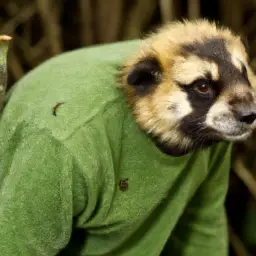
(151, 111)
(186, 69)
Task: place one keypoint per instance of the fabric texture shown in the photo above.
(79, 177)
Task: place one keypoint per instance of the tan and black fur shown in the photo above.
(190, 85)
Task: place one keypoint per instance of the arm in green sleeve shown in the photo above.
(202, 229)
(36, 198)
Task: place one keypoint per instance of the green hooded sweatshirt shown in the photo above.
(79, 177)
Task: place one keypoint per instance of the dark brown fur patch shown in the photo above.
(235, 100)
(215, 50)
(145, 75)
(211, 49)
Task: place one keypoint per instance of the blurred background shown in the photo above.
(45, 28)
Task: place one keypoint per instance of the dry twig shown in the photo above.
(250, 27)
(15, 66)
(245, 175)
(138, 17)
(234, 18)
(168, 10)
(108, 19)
(51, 25)
(193, 9)
(86, 29)
(237, 244)
(31, 53)
(23, 15)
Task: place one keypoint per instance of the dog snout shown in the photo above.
(247, 118)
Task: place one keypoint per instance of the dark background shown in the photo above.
(44, 28)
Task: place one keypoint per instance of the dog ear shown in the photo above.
(145, 74)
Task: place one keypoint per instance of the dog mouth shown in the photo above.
(235, 131)
(231, 129)
(237, 137)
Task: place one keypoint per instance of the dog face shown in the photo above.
(191, 86)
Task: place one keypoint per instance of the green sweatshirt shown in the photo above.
(83, 179)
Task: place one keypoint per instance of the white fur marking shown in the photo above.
(180, 99)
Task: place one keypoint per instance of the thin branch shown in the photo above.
(15, 66)
(28, 31)
(108, 19)
(31, 53)
(39, 48)
(253, 64)
(12, 8)
(138, 18)
(250, 27)
(51, 25)
(23, 15)
(232, 18)
(253, 2)
(193, 9)
(245, 175)
(167, 8)
(237, 244)
(87, 33)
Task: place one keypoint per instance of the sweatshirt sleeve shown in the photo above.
(36, 198)
(202, 229)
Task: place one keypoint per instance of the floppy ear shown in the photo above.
(144, 75)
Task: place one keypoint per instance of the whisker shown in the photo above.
(196, 119)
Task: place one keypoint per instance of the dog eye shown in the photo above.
(202, 86)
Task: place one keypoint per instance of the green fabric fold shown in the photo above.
(60, 174)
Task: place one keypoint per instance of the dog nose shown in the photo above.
(248, 119)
